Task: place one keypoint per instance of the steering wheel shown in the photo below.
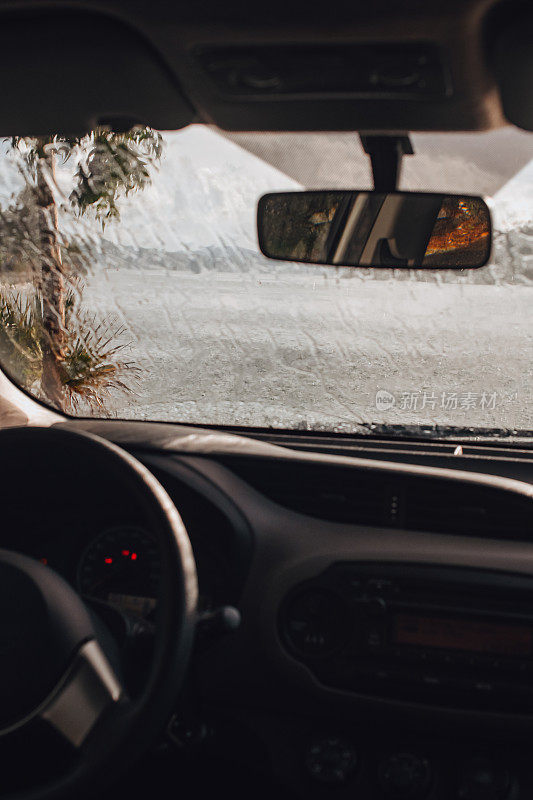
(57, 679)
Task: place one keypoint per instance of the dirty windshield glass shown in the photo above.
(132, 286)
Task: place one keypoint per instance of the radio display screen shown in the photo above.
(470, 635)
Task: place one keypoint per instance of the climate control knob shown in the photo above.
(405, 776)
(331, 760)
(481, 779)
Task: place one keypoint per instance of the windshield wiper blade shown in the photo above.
(467, 433)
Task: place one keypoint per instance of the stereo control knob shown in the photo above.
(405, 775)
(481, 779)
(331, 760)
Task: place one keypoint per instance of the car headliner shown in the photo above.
(67, 66)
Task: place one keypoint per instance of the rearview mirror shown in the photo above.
(375, 229)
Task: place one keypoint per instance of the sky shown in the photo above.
(475, 162)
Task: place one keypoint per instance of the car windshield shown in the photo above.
(132, 286)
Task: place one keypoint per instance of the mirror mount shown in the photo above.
(386, 154)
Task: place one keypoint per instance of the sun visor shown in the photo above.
(66, 74)
(513, 54)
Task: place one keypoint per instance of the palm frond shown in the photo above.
(92, 366)
(20, 338)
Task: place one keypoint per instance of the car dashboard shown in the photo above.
(385, 598)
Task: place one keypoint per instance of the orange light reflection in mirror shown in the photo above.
(460, 224)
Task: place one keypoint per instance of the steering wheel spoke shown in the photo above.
(84, 694)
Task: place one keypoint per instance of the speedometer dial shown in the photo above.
(122, 566)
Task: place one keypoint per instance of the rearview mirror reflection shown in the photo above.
(375, 229)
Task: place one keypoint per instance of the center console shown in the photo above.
(440, 636)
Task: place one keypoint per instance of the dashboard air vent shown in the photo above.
(361, 497)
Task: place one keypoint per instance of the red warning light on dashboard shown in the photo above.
(108, 560)
(125, 552)
(134, 556)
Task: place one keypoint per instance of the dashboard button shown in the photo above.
(381, 586)
(433, 681)
(451, 659)
(375, 637)
(315, 622)
(484, 687)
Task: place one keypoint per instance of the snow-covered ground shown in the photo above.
(319, 353)
(250, 342)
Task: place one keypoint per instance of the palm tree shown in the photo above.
(74, 364)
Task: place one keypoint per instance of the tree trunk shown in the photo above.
(52, 284)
